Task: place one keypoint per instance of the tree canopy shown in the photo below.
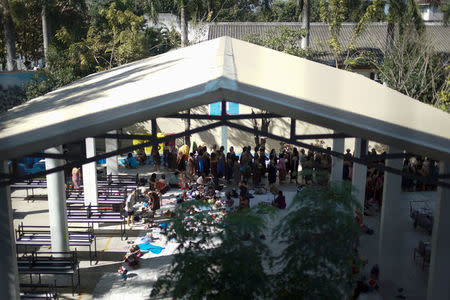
(229, 255)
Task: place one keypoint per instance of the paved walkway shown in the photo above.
(414, 279)
(101, 280)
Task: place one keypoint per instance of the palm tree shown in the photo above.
(305, 23)
(45, 29)
(10, 37)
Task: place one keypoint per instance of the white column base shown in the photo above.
(439, 275)
(9, 275)
(359, 176)
(57, 203)
(337, 164)
(392, 228)
(112, 165)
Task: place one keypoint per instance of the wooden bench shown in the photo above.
(38, 291)
(97, 214)
(40, 236)
(50, 263)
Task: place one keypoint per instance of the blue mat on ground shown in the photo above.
(151, 248)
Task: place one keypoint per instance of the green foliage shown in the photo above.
(27, 24)
(114, 35)
(285, 11)
(221, 255)
(334, 12)
(444, 94)
(282, 39)
(445, 9)
(413, 68)
(60, 72)
(10, 97)
(321, 236)
(120, 40)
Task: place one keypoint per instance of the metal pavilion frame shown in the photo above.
(226, 120)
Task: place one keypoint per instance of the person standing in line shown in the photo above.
(221, 162)
(281, 168)
(244, 200)
(294, 165)
(191, 166)
(280, 201)
(230, 164)
(156, 158)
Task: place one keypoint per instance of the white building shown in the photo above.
(429, 9)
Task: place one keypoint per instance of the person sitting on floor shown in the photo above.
(141, 156)
(201, 181)
(210, 192)
(244, 200)
(132, 256)
(162, 186)
(131, 161)
(123, 272)
(280, 201)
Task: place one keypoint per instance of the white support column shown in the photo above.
(438, 279)
(9, 277)
(90, 175)
(359, 176)
(112, 165)
(392, 227)
(337, 164)
(225, 138)
(57, 203)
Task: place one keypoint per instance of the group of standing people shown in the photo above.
(245, 166)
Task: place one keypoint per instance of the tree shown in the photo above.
(226, 255)
(10, 39)
(219, 255)
(445, 9)
(321, 236)
(444, 95)
(334, 12)
(45, 29)
(402, 13)
(282, 39)
(27, 22)
(413, 68)
(305, 23)
(285, 11)
(112, 35)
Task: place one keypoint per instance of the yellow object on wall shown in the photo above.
(148, 149)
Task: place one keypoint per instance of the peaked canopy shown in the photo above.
(232, 70)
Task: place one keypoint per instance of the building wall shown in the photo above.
(8, 79)
(431, 13)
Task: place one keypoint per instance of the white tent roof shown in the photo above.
(225, 69)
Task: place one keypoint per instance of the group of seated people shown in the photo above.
(151, 202)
